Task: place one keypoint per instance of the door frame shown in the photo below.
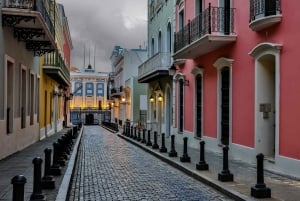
(257, 52)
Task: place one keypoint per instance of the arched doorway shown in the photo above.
(267, 65)
(265, 98)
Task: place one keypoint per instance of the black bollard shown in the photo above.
(260, 190)
(139, 136)
(225, 175)
(124, 129)
(62, 156)
(144, 136)
(55, 168)
(135, 136)
(149, 143)
(163, 148)
(48, 181)
(18, 183)
(185, 157)
(128, 130)
(202, 165)
(155, 145)
(173, 152)
(37, 176)
(131, 132)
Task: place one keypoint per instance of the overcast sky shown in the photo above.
(104, 24)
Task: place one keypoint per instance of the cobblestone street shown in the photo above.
(109, 168)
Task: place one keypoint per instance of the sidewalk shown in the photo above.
(282, 188)
(21, 163)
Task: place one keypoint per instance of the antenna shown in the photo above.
(89, 55)
(95, 58)
(84, 56)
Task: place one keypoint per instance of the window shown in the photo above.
(181, 20)
(89, 89)
(198, 7)
(169, 38)
(9, 94)
(31, 102)
(23, 96)
(152, 47)
(159, 42)
(180, 105)
(100, 89)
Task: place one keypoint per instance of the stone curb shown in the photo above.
(64, 187)
(193, 173)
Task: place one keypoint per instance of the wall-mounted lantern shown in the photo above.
(160, 98)
(172, 71)
(151, 99)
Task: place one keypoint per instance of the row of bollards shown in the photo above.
(259, 190)
(61, 150)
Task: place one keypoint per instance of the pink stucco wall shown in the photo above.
(243, 79)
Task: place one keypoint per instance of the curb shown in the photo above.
(206, 180)
(64, 187)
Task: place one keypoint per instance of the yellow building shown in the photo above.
(55, 79)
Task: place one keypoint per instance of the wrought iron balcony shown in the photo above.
(210, 30)
(264, 14)
(32, 22)
(55, 67)
(155, 67)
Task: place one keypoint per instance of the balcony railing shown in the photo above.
(155, 66)
(29, 18)
(55, 67)
(213, 20)
(116, 90)
(263, 8)
(264, 14)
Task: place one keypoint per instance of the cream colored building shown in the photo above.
(89, 89)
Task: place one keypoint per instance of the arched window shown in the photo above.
(159, 42)
(152, 47)
(169, 38)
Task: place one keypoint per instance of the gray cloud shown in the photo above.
(104, 24)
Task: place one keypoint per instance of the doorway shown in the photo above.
(225, 105)
(266, 105)
(199, 106)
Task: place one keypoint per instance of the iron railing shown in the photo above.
(159, 61)
(212, 20)
(263, 8)
(35, 5)
(55, 59)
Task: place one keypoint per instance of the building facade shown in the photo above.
(239, 58)
(154, 70)
(125, 91)
(55, 77)
(89, 89)
(26, 33)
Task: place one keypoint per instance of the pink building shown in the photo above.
(236, 78)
